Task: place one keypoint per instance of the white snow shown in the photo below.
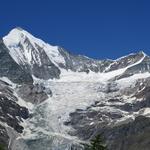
(115, 61)
(20, 101)
(67, 97)
(74, 90)
(70, 76)
(25, 54)
(132, 116)
(78, 90)
(5, 79)
(145, 112)
(23, 103)
(127, 82)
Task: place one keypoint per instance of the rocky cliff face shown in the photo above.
(9, 68)
(53, 100)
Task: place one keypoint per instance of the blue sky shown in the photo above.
(96, 28)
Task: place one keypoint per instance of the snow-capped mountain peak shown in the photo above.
(13, 37)
(36, 55)
(16, 35)
(73, 97)
(23, 47)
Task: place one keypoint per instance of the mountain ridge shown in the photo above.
(25, 49)
(59, 101)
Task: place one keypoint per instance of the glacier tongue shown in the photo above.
(47, 124)
(48, 119)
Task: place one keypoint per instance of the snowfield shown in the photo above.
(78, 84)
(78, 91)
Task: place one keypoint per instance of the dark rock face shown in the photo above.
(131, 136)
(4, 138)
(143, 66)
(128, 134)
(82, 63)
(9, 68)
(125, 61)
(135, 106)
(42, 67)
(87, 123)
(34, 93)
(11, 112)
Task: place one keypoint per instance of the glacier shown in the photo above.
(85, 93)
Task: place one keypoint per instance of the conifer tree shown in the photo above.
(96, 144)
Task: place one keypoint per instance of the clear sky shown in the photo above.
(96, 28)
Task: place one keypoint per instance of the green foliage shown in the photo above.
(2, 147)
(96, 144)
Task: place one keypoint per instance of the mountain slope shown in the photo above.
(54, 100)
(9, 68)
